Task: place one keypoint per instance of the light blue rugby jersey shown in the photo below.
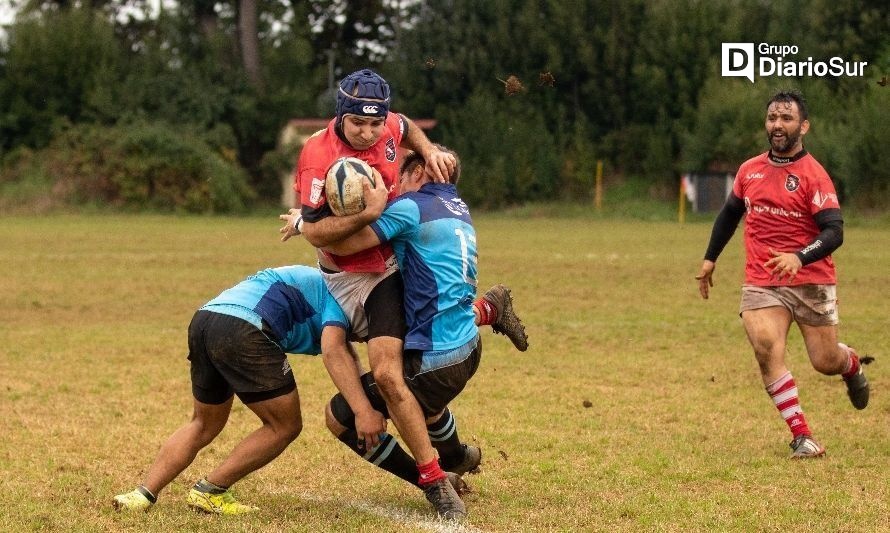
(435, 244)
(293, 300)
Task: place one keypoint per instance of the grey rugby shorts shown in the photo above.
(811, 305)
(352, 290)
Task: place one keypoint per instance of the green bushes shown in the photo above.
(852, 145)
(525, 166)
(52, 68)
(141, 165)
(66, 81)
(634, 84)
(729, 126)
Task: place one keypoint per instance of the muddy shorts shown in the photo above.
(231, 356)
(811, 305)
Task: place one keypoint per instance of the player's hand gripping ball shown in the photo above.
(343, 185)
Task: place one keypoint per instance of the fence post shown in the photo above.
(681, 209)
(598, 186)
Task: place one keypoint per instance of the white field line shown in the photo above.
(408, 518)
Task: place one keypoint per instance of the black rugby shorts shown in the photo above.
(231, 356)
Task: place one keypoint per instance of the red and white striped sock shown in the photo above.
(430, 472)
(488, 314)
(783, 391)
(852, 365)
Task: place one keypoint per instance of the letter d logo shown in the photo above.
(737, 59)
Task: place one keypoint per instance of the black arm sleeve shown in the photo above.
(830, 238)
(725, 225)
(314, 214)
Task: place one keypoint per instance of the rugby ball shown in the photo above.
(343, 185)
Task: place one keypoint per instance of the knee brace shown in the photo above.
(342, 412)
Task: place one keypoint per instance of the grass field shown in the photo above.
(638, 406)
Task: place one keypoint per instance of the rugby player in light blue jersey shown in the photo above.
(431, 231)
(238, 343)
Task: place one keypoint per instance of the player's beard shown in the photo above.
(785, 144)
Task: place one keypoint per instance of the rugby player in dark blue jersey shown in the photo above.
(432, 234)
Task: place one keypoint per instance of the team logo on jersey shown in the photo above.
(390, 150)
(792, 182)
(820, 199)
(317, 190)
(456, 206)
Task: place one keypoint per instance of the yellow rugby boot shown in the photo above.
(223, 503)
(131, 501)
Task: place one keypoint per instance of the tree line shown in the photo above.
(106, 101)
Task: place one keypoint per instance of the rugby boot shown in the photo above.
(223, 503)
(445, 499)
(470, 462)
(806, 447)
(507, 322)
(461, 487)
(131, 501)
(857, 385)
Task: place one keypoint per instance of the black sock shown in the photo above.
(443, 434)
(147, 493)
(205, 486)
(388, 455)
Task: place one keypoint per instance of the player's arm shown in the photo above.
(831, 236)
(439, 164)
(363, 239)
(342, 365)
(329, 230)
(397, 220)
(829, 239)
(725, 224)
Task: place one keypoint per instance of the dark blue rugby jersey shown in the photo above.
(435, 244)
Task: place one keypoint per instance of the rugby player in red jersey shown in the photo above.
(792, 225)
(368, 285)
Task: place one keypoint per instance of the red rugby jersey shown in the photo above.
(780, 201)
(320, 151)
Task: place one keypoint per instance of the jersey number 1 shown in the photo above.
(465, 255)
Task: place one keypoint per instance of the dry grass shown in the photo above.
(679, 435)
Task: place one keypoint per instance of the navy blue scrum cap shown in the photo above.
(363, 93)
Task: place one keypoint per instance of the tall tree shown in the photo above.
(250, 43)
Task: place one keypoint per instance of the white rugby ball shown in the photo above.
(343, 185)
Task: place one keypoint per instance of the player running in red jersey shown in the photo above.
(792, 225)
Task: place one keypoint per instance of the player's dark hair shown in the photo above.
(414, 159)
(788, 96)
